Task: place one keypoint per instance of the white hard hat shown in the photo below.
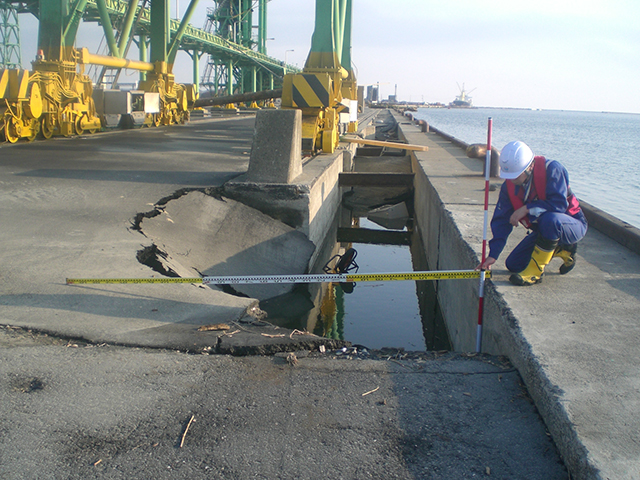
(515, 157)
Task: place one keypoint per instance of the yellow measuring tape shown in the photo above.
(74, 281)
(307, 278)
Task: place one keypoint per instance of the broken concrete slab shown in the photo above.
(219, 236)
(246, 336)
(262, 338)
(309, 205)
(393, 217)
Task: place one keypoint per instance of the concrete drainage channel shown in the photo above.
(377, 222)
(198, 232)
(376, 315)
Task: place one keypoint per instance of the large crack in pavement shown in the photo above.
(158, 207)
(152, 257)
(198, 232)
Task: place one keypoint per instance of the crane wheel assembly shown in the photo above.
(21, 105)
(56, 99)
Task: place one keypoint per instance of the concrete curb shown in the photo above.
(625, 234)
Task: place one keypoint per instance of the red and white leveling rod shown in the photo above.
(483, 273)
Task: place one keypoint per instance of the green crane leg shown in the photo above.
(125, 31)
(108, 29)
(50, 37)
(329, 41)
(171, 56)
(73, 22)
(262, 26)
(142, 47)
(247, 23)
(160, 22)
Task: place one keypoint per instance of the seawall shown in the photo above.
(573, 338)
(622, 232)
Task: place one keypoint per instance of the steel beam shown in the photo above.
(143, 54)
(73, 22)
(262, 26)
(175, 44)
(108, 28)
(113, 62)
(127, 26)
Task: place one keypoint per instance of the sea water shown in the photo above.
(600, 150)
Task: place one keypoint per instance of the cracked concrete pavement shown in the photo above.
(93, 409)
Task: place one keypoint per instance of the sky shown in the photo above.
(547, 54)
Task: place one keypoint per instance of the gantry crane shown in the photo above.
(55, 98)
(326, 90)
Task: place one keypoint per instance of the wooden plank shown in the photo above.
(354, 179)
(379, 237)
(378, 143)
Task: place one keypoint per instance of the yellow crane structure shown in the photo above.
(56, 97)
(63, 103)
(326, 89)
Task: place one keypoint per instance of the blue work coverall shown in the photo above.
(549, 218)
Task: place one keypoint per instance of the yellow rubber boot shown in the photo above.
(568, 255)
(540, 258)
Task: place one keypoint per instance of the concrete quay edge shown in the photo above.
(573, 339)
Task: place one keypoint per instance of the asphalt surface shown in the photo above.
(81, 404)
(73, 410)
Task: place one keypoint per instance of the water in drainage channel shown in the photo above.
(398, 314)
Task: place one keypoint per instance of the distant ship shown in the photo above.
(462, 100)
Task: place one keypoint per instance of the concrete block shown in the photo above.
(308, 205)
(224, 237)
(276, 153)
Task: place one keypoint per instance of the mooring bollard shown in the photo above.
(478, 150)
(494, 170)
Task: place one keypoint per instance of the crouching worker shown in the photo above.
(536, 193)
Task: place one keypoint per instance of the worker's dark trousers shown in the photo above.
(551, 226)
